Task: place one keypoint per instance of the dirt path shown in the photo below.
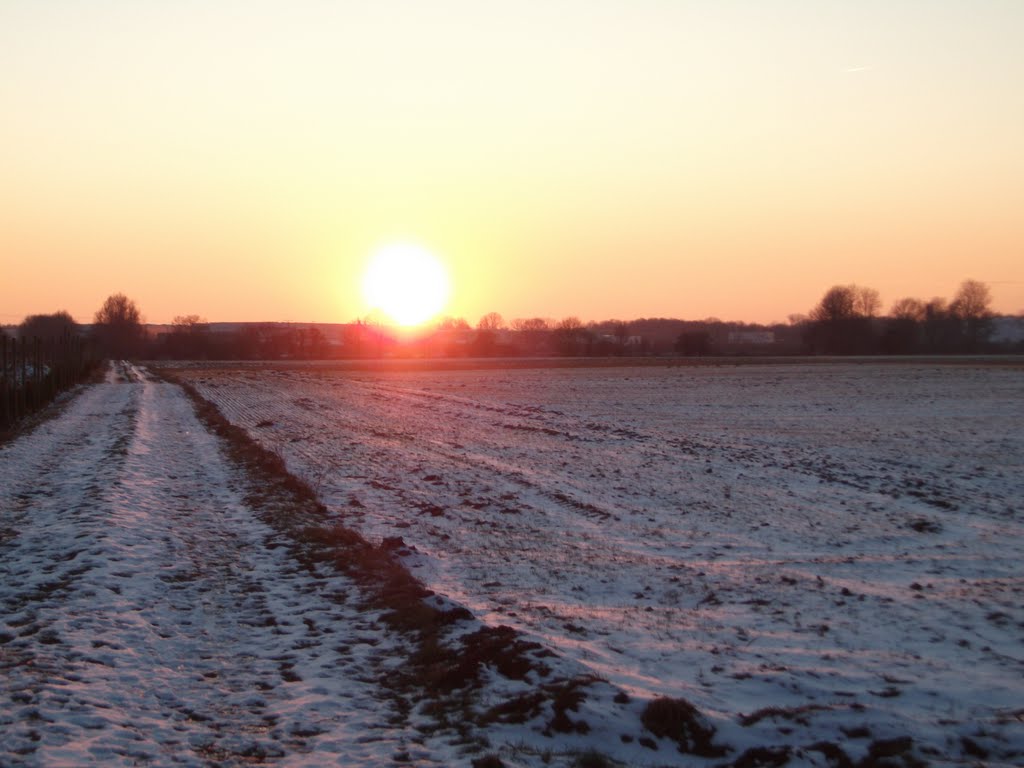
(148, 616)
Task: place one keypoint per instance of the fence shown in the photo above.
(34, 371)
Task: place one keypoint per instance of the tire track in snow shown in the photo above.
(148, 615)
(50, 497)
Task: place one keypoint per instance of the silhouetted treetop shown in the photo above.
(530, 324)
(492, 321)
(972, 301)
(117, 326)
(846, 302)
(118, 310)
(452, 324)
(189, 324)
(908, 309)
(53, 326)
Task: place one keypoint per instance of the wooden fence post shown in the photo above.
(5, 406)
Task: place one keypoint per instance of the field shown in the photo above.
(806, 553)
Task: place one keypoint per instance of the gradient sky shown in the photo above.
(599, 158)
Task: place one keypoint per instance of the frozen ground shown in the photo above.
(806, 553)
(148, 617)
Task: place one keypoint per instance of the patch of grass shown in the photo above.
(516, 710)
(567, 697)
(592, 759)
(762, 757)
(892, 753)
(835, 755)
(679, 720)
(563, 696)
(924, 525)
(856, 732)
(447, 668)
(795, 714)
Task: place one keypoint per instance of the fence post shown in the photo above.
(33, 372)
(19, 351)
(5, 407)
(37, 381)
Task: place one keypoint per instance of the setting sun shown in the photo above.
(407, 283)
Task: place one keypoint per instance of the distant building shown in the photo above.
(1007, 330)
(752, 337)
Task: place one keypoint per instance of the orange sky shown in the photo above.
(598, 158)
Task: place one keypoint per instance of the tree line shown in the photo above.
(117, 329)
(846, 321)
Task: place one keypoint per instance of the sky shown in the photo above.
(242, 161)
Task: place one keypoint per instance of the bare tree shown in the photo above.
(492, 321)
(189, 337)
(972, 301)
(844, 302)
(117, 325)
(530, 324)
(190, 324)
(54, 326)
(118, 309)
(866, 301)
(838, 303)
(452, 324)
(935, 308)
(487, 329)
(842, 320)
(908, 309)
(534, 331)
(940, 326)
(572, 335)
(971, 306)
(903, 328)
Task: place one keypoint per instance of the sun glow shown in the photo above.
(407, 283)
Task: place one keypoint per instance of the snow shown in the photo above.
(149, 618)
(805, 552)
(843, 539)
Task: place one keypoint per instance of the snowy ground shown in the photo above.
(147, 617)
(806, 553)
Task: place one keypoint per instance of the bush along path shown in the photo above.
(171, 595)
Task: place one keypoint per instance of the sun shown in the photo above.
(407, 283)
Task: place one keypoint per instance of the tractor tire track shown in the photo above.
(147, 615)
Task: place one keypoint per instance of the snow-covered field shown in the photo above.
(804, 552)
(812, 555)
